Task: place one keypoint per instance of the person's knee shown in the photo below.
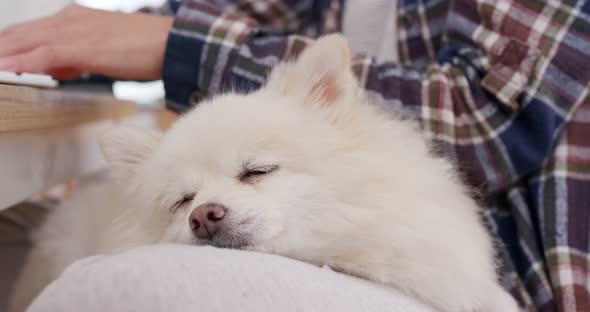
(157, 278)
(178, 277)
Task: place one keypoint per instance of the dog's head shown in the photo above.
(264, 171)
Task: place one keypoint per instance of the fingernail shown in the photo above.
(7, 64)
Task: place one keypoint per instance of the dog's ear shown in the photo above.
(321, 74)
(126, 148)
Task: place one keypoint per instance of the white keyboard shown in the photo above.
(27, 79)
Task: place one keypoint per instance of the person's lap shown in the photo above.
(188, 278)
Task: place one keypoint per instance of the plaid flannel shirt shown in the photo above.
(501, 86)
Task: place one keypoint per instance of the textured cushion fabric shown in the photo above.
(188, 278)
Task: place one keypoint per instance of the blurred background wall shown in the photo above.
(122, 5)
(16, 11)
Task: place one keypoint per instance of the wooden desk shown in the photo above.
(25, 108)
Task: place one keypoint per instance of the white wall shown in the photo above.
(12, 11)
(122, 5)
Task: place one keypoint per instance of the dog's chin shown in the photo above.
(226, 241)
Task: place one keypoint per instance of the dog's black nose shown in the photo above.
(205, 220)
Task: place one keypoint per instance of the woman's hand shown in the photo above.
(79, 39)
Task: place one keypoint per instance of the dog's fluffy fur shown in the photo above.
(334, 181)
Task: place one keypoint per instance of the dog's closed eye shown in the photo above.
(252, 174)
(186, 198)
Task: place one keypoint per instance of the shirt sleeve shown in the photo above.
(453, 109)
(207, 41)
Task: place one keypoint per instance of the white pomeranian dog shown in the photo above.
(305, 168)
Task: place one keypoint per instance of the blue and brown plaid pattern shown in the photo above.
(502, 87)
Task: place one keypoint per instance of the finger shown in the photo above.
(27, 36)
(40, 23)
(44, 59)
(65, 14)
(25, 41)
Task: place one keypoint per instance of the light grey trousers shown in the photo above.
(179, 278)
